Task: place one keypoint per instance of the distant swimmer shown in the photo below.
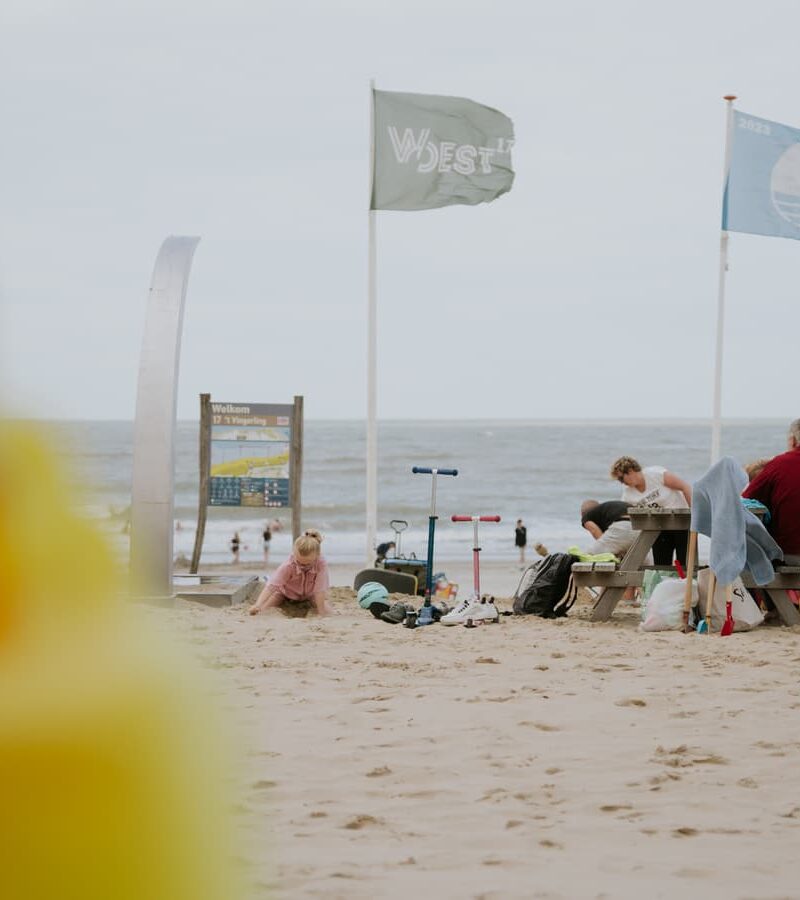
(235, 544)
(521, 539)
(266, 537)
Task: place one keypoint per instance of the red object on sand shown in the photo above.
(727, 625)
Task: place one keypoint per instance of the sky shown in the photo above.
(589, 290)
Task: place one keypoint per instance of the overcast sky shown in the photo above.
(589, 290)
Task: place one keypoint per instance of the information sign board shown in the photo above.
(250, 461)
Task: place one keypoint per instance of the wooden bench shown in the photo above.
(615, 579)
(787, 578)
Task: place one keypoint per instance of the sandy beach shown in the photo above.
(527, 759)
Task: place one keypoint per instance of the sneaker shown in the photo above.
(463, 610)
(438, 611)
(378, 608)
(485, 612)
(397, 612)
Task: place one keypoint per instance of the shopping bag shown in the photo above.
(665, 606)
(745, 611)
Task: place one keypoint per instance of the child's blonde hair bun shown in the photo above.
(308, 543)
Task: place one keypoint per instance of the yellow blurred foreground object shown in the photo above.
(109, 774)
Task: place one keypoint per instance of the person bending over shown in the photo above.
(384, 550)
(304, 576)
(655, 487)
(609, 525)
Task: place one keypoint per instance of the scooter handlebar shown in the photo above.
(427, 470)
(472, 518)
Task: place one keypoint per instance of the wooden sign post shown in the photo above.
(251, 455)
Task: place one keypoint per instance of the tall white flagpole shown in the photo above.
(372, 336)
(716, 423)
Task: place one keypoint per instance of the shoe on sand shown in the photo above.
(484, 612)
(397, 612)
(378, 608)
(466, 609)
(439, 611)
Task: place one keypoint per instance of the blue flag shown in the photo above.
(762, 193)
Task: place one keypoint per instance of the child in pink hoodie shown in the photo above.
(304, 576)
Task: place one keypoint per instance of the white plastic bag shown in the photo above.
(745, 610)
(665, 606)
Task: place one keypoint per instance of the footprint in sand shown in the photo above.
(551, 845)
(685, 832)
(494, 794)
(616, 807)
(377, 773)
(711, 759)
(539, 726)
(363, 821)
(682, 756)
(630, 701)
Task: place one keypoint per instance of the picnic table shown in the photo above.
(615, 579)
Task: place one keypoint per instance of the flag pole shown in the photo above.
(372, 332)
(716, 423)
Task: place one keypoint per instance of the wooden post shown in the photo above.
(687, 597)
(296, 467)
(202, 499)
(712, 586)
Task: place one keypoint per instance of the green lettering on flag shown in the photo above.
(433, 151)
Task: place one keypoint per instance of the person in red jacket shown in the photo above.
(777, 486)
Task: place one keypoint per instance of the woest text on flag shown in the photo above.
(443, 156)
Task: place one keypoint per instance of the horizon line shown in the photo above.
(544, 420)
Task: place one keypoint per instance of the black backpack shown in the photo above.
(547, 588)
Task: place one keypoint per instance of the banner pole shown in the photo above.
(372, 333)
(202, 498)
(716, 422)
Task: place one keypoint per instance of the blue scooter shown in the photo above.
(425, 616)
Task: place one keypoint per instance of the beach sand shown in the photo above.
(554, 759)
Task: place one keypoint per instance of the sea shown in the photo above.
(539, 471)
